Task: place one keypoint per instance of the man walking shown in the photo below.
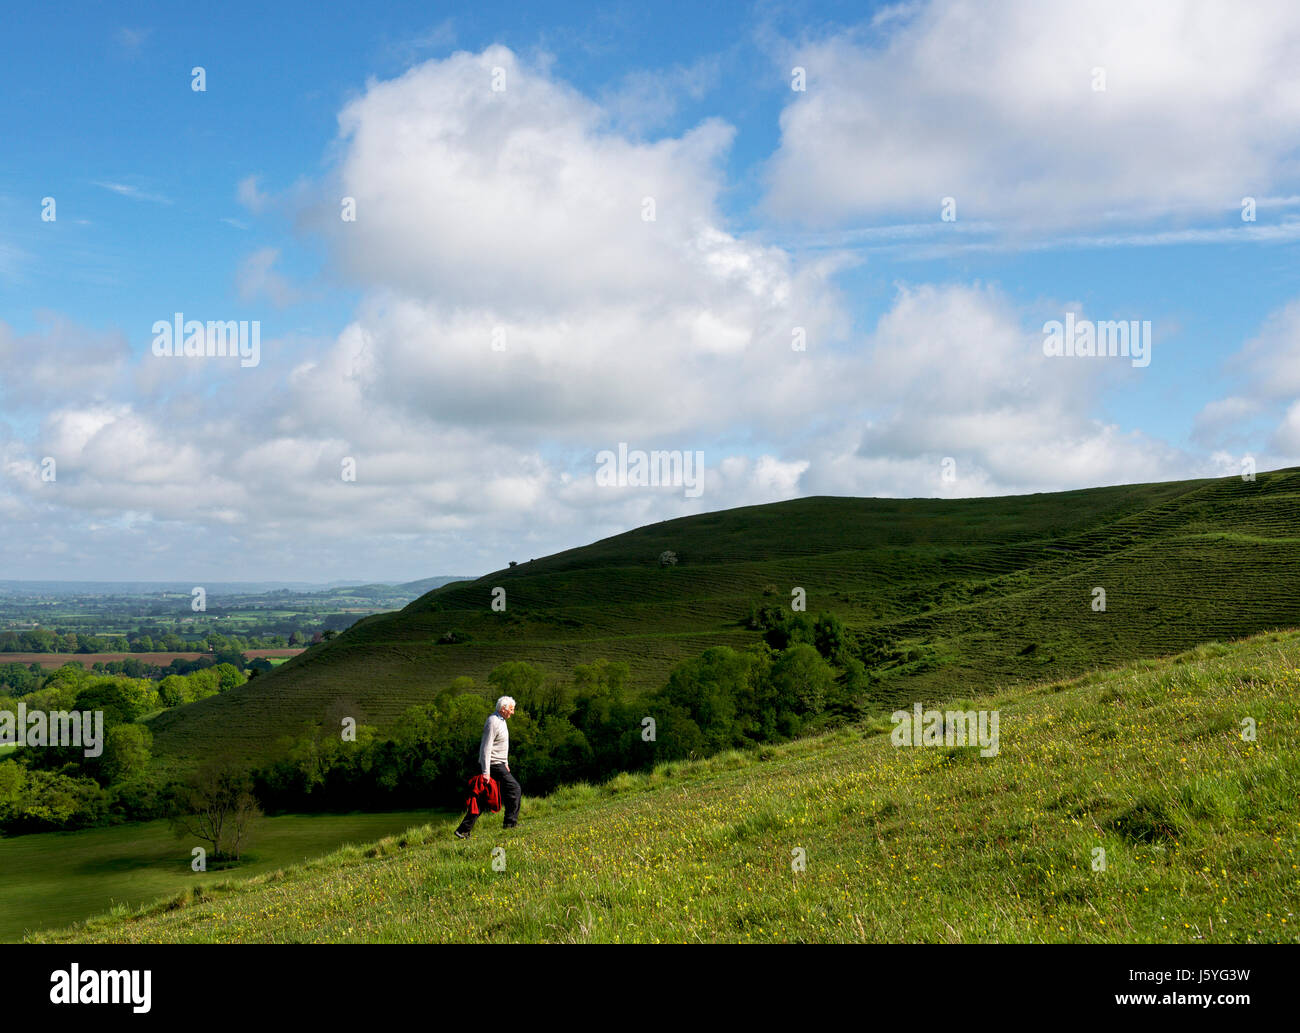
(493, 751)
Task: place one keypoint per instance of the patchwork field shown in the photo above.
(56, 660)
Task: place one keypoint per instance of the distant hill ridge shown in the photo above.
(961, 596)
(20, 587)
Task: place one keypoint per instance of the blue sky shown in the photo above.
(521, 208)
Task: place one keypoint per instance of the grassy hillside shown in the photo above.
(1201, 831)
(975, 593)
(58, 877)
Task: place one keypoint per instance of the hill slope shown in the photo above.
(1200, 828)
(969, 594)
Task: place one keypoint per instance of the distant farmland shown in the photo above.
(152, 659)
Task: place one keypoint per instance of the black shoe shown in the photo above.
(510, 826)
(461, 835)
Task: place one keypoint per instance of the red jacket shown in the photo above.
(485, 792)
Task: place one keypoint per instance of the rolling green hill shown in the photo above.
(1150, 762)
(56, 877)
(964, 596)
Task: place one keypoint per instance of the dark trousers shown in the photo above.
(511, 795)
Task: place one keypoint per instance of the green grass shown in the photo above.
(1201, 831)
(996, 591)
(55, 878)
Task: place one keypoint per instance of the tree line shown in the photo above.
(54, 788)
(806, 674)
(45, 640)
(802, 677)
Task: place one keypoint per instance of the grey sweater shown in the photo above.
(496, 743)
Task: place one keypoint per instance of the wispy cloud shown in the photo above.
(916, 241)
(131, 40)
(251, 196)
(405, 52)
(11, 259)
(645, 100)
(1281, 233)
(135, 193)
(257, 277)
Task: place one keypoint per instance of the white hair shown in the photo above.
(505, 701)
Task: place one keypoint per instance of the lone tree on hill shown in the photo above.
(216, 806)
